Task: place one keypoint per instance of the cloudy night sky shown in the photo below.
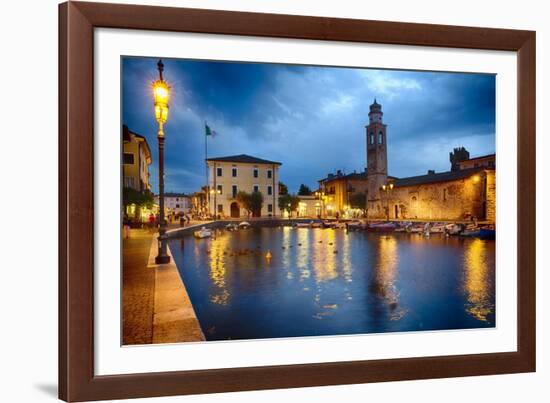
(312, 119)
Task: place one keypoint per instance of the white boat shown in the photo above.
(303, 224)
(437, 228)
(202, 233)
(454, 229)
(231, 227)
(244, 225)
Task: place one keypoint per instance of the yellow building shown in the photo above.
(309, 206)
(338, 191)
(136, 161)
(229, 175)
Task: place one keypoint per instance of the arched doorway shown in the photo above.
(235, 210)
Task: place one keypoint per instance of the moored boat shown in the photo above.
(382, 227)
(244, 225)
(487, 232)
(202, 233)
(231, 227)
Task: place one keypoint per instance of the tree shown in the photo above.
(288, 203)
(283, 189)
(304, 190)
(141, 199)
(256, 200)
(243, 199)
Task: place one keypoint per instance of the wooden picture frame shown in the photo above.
(77, 21)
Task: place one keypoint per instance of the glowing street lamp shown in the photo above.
(161, 94)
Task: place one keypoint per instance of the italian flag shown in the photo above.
(208, 131)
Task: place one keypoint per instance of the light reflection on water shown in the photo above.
(325, 282)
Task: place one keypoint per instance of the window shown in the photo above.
(269, 190)
(128, 158)
(177, 206)
(234, 172)
(255, 172)
(234, 191)
(219, 171)
(256, 188)
(220, 208)
(371, 140)
(220, 189)
(380, 138)
(269, 173)
(444, 194)
(270, 208)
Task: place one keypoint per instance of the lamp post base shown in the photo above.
(162, 259)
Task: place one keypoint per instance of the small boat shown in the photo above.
(316, 224)
(454, 229)
(403, 227)
(203, 233)
(382, 227)
(470, 230)
(416, 228)
(303, 224)
(355, 226)
(231, 227)
(487, 232)
(437, 228)
(244, 225)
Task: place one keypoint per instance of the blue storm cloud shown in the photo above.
(310, 118)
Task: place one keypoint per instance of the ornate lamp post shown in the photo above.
(161, 93)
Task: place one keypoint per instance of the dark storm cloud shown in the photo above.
(310, 118)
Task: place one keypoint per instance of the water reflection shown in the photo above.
(385, 275)
(326, 281)
(218, 270)
(477, 283)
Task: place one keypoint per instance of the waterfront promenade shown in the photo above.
(156, 306)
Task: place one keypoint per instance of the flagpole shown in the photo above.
(206, 168)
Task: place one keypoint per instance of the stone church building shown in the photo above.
(467, 190)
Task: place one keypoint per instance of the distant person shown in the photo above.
(151, 221)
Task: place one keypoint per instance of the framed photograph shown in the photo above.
(256, 201)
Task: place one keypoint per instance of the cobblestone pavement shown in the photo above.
(138, 285)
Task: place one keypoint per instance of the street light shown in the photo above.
(161, 94)
(215, 192)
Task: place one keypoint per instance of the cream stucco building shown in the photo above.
(229, 175)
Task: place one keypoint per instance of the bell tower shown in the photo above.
(377, 161)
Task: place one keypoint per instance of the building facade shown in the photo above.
(227, 176)
(176, 203)
(136, 161)
(344, 194)
(467, 190)
(309, 206)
